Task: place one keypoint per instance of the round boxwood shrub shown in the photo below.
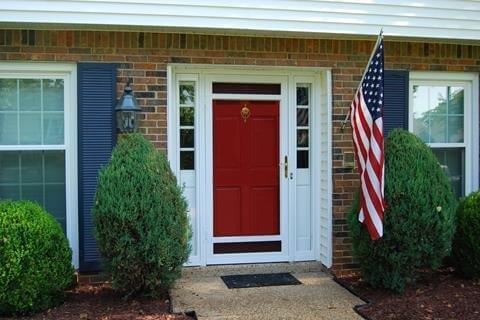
(141, 221)
(419, 220)
(35, 259)
(466, 243)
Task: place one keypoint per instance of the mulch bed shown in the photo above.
(437, 295)
(88, 302)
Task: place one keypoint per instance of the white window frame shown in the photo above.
(68, 73)
(471, 117)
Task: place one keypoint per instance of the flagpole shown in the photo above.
(379, 38)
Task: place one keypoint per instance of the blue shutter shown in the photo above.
(96, 138)
(395, 112)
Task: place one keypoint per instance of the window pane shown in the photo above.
(453, 163)
(32, 167)
(11, 192)
(30, 128)
(438, 128)
(455, 129)
(187, 160)
(302, 96)
(429, 105)
(421, 128)
(33, 192)
(53, 128)
(55, 200)
(8, 94)
(8, 128)
(35, 175)
(30, 94)
(53, 94)
(10, 172)
(436, 118)
(186, 138)
(302, 117)
(437, 100)
(302, 159)
(55, 166)
(455, 100)
(187, 115)
(302, 138)
(187, 93)
(38, 99)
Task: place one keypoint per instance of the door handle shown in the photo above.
(285, 166)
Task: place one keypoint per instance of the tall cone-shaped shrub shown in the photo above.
(419, 219)
(140, 216)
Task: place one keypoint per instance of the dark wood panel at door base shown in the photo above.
(247, 247)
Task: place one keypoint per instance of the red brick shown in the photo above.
(147, 67)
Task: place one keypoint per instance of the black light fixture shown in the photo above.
(126, 111)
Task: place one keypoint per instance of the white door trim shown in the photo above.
(287, 77)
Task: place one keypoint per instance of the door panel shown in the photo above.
(229, 158)
(230, 207)
(263, 210)
(245, 168)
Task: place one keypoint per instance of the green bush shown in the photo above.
(140, 217)
(466, 243)
(35, 259)
(419, 220)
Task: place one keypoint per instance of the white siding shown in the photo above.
(449, 19)
(325, 185)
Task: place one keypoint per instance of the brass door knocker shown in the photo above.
(245, 113)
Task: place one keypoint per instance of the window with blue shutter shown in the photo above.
(96, 138)
(395, 113)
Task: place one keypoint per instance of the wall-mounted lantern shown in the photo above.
(127, 110)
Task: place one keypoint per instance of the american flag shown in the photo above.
(366, 116)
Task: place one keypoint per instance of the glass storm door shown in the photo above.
(245, 168)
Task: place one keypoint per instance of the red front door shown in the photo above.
(245, 168)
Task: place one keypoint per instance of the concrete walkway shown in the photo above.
(318, 297)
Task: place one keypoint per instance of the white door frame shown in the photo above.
(287, 77)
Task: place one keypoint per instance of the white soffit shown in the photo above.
(440, 19)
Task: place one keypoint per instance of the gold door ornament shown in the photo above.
(245, 113)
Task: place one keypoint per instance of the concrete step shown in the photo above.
(222, 270)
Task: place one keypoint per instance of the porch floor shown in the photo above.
(318, 297)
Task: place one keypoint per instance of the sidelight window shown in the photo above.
(303, 125)
(186, 98)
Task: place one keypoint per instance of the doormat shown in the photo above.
(259, 280)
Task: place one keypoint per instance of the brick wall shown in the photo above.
(143, 57)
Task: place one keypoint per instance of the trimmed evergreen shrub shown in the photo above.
(140, 216)
(35, 259)
(466, 243)
(419, 220)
